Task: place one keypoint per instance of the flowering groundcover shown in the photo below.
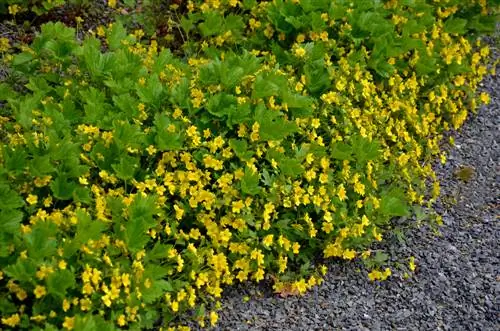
(136, 183)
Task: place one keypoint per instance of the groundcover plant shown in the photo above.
(135, 184)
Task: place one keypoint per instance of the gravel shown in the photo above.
(456, 285)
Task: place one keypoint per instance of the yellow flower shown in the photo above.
(11, 321)
(121, 320)
(4, 44)
(69, 323)
(38, 318)
(300, 52)
(14, 9)
(151, 150)
(112, 3)
(237, 206)
(459, 80)
(268, 240)
(327, 227)
(32, 199)
(39, 291)
(175, 306)
(374, 275)
(179, 212)
(412, 264)
(106, 299)
(100, 31)
(349, 254)
(359, 188)
(300, 285)
(485, 98)
(376, 235)
(341, 193)
(213, 318)
(66, 305)
(259, 275)
(296, 247)
(85, 304)
(386, 274)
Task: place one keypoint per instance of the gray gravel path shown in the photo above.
(456, 285)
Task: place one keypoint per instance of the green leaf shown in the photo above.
(38, 84)
(272, 125)
(420, 213)
(290, 167)
(268, 179)
(95, 104)
(126, 167)
(5, 250)
(426, 65)
(299, 105)
(222, 104)
(380, 258)
(59, 282)
(41, 242)
(239, 114)
(317, 77)
(135, 235)
(95, 62)
(82, 195)
(127, 135)
(90, 322)
(235, 24)
(365, 150)
(455, 25)
(22, 58)
(61, 188)
(187, 23)
(483, 24)
(341, 151)
(9, 199)
(143, 207)
(115, 35)
(41, 165)
(164, 139)
(140, 220)
(382, 68)
(393, 203)
(240, 148)
(152, 92)
(88, 228)
(10, 221)
(249, 4)
(125, 102)
(156, 291)
(7, 307)
(63, 149)
(179, 94)
(14, 160)
(212, 25)
(158, 252)
(412, 26)
(6, 92)
(250, 182)
(267, 85)
(23, 270)
(155, 271)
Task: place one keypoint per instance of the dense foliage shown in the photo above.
(135, 183)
